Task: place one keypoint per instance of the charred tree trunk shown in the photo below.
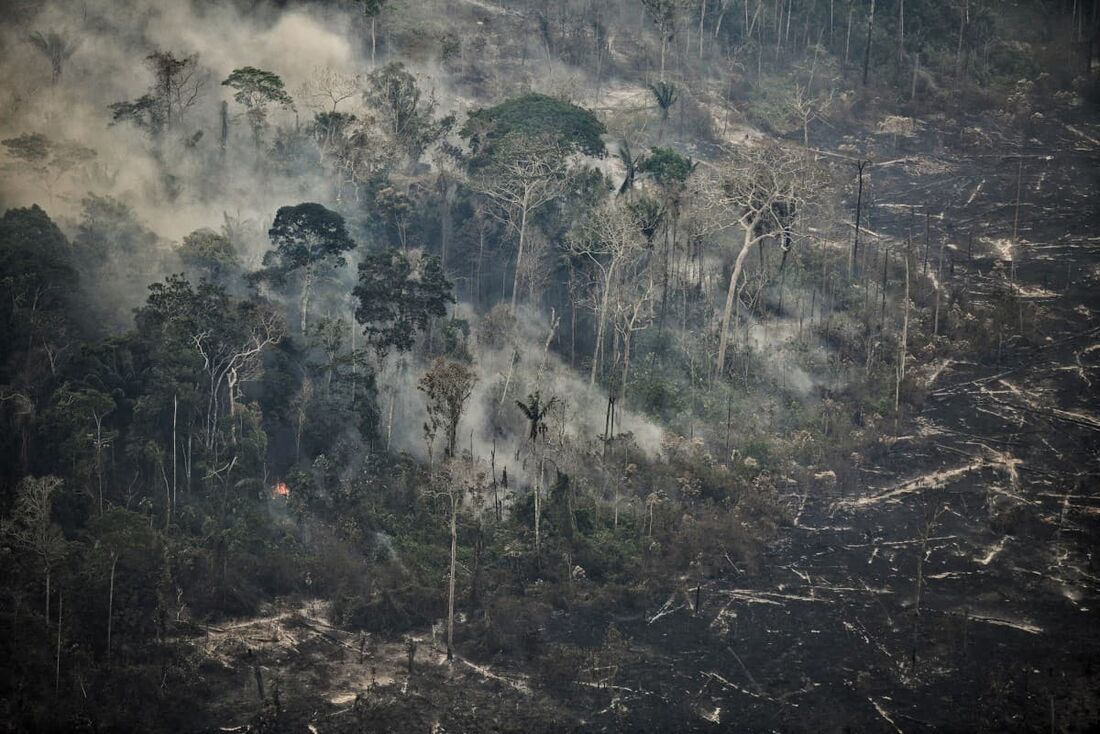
(867, 48)
(450, 582)
(860, 165)
(111, 605)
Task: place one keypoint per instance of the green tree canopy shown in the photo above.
(33, 258)
(306, 235)
(397, 298)
(666, 166)
(536, 115)
(208, 252)
(256, 90)
(309, 240)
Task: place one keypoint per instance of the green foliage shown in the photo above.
(31, 526)
(36, 274)
(256, 90)
(665, 95)
(630, 163)
(770, 107)
(533, 116)
(122, 541)
(306, 236)
(49, 160)
(648, 214)
(406, 116)
(667, 167)
(535, 411)
(371, 8)
(209, 253)
(143, 112)
(33, 148)
(446, 386)
(396, 299)
(177, 83)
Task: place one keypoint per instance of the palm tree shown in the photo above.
(665, 95)
(630, 163)
(535, 411)
(56, 47)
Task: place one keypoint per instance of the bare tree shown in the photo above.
(867, 47)
(758, 192)
(663, 14)
(932, 508)
(31, 528)
(633, 311)
(524, 176)
(447, 386)
(460, 480)
(178, 83)
(535, 411)
(228, 338)
(806, 108)
(608, 240)
(328, 87)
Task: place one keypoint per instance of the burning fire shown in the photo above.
(280, 490)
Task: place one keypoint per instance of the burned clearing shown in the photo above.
(633, 365)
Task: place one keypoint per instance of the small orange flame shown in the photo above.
(280, 490)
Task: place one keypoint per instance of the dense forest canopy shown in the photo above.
(496, 335)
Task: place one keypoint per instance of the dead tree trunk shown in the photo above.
(860, 165)
(731, 295)
(111, 605)
(939, 291)
(903, 345)
(867, 49)
(57, 667)
(451, 581)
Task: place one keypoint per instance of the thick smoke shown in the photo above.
(506, 372)
(185, 180)
(178, 183)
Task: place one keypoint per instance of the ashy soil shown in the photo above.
(991, 494)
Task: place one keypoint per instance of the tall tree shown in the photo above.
(524, 176)
(32, 529)
(670, 171)
(663, 15)
(867, 47)
(309, 243)
(609, 239)
(178, 82)
(447, 386)
(257, 90)
(371, 10)
(757, 193)
(226, 337)
(396, 298)
(406, 116)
